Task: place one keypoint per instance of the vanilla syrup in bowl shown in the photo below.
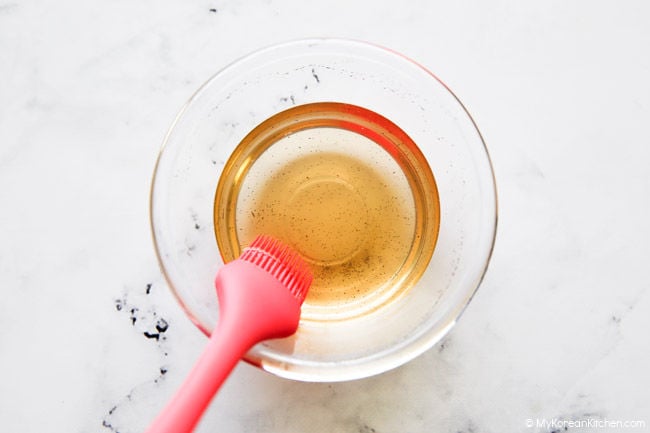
(332, 146)
(346, 188)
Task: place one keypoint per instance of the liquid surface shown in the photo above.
(355, 209)
(352, 223)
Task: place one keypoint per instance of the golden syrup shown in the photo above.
(347, 189)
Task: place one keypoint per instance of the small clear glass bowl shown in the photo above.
(249, 91)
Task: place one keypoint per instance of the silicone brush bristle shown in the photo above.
(282, 262)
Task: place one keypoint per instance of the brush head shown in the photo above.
(282, 262)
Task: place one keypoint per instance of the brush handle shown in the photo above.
(254, 306)
(225, 348)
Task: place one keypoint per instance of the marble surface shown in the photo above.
(91, 340)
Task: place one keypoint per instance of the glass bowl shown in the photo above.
(237, 100)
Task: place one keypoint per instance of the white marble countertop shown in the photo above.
(91, 340)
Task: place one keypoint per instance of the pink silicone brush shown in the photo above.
(260, 295)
